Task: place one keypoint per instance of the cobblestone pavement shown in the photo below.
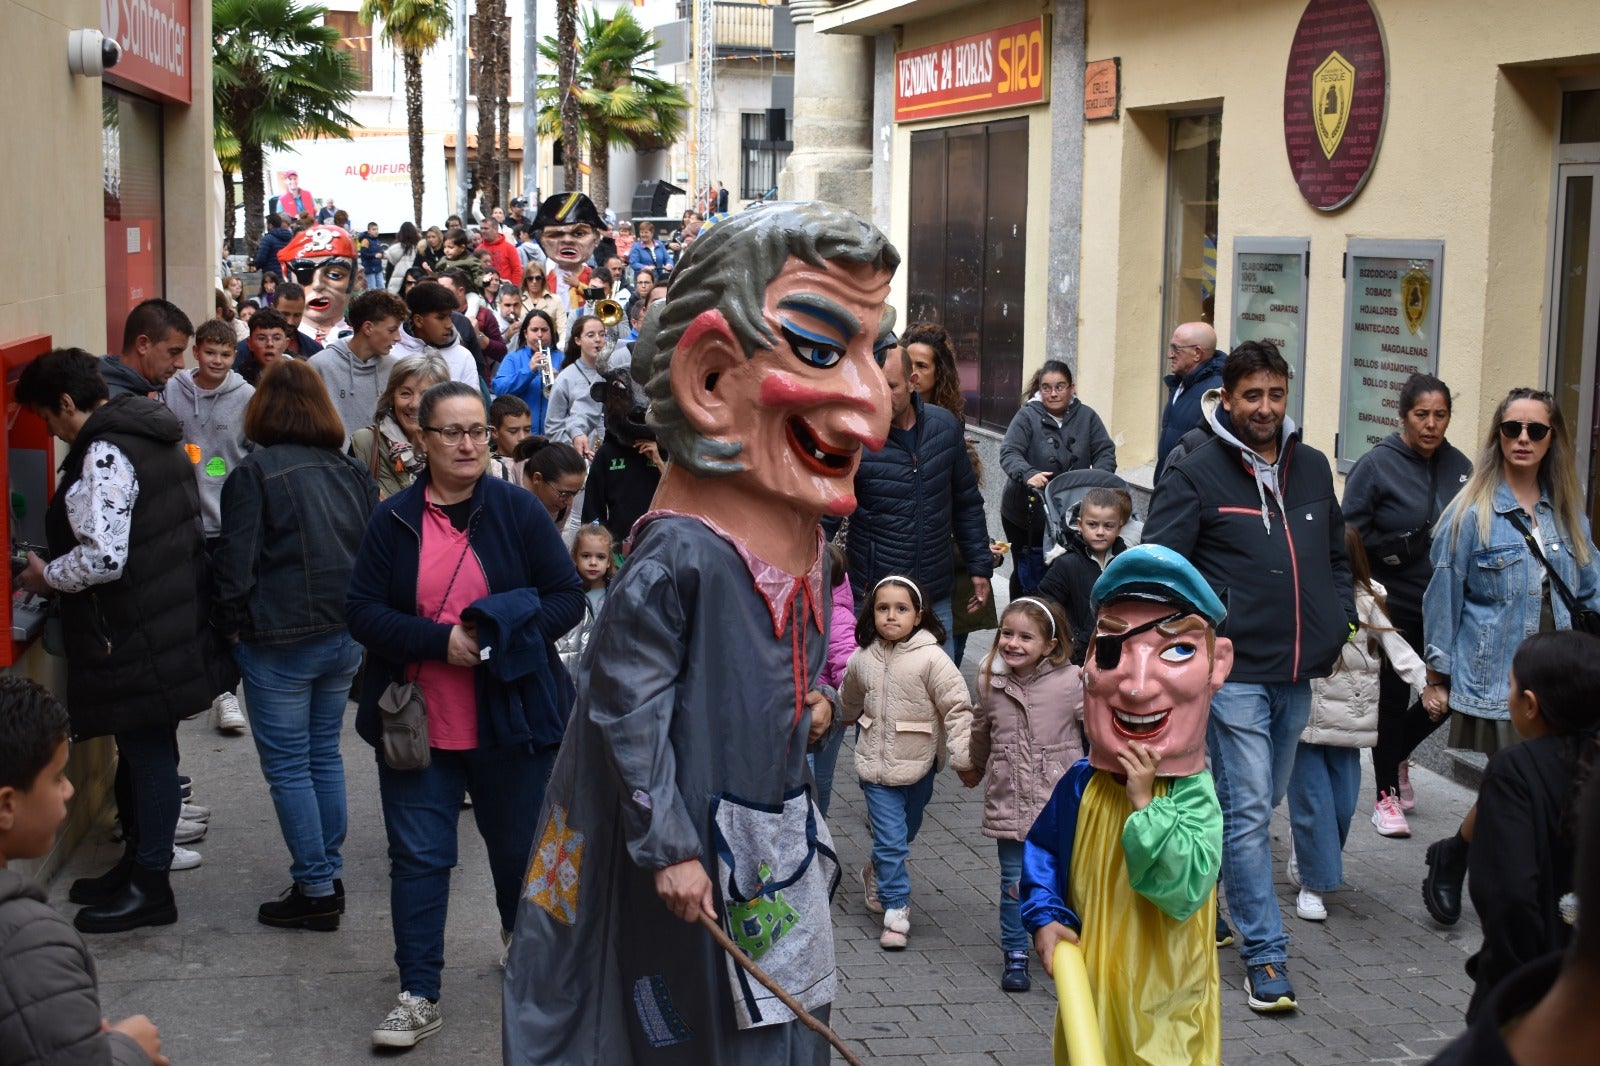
(1378, 982)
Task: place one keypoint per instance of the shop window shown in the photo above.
(763, 150)
(967, 255)
(130, 129)
(1190, 282)
(355, 40)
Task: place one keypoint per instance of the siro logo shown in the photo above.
(366, 168)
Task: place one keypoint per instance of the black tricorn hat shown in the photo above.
(567, 209)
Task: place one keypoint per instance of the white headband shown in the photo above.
(1042, 606)
(898, 580)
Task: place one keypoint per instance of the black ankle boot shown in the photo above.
(145, 900)
(1447, 868)
(338, 892)
(95, 891)
(296, 910)
(1015, 976)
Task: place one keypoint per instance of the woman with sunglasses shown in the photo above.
(1503, 549)
(461, 587)
(1393, 498)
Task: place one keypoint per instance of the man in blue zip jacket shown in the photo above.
(1254, 510)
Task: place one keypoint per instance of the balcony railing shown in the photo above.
(747, 29)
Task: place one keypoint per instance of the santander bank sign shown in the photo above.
(155, 40)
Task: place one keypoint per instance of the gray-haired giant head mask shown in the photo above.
(764, 361)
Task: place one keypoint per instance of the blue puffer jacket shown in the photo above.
(909, 504)
(1184, 413)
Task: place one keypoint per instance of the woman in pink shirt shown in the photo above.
(463, 586)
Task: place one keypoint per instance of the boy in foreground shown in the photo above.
(49, 998)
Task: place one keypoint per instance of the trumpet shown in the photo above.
(609, 312)
(541, 359)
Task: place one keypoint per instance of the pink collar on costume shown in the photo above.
(776, 585)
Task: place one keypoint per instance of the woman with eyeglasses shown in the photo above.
(1502, 552)
(462, 587)
(1051, 434)
(554, 472)
(1393, 497)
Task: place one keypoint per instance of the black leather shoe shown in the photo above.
(1441, 889)
(145, 900)
(1015, 977)
(95, 891)
(295, 910)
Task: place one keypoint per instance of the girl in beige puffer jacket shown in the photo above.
(913, 708)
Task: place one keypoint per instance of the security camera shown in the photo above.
(91, 53)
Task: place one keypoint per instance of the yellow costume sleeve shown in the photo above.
(1174, 846)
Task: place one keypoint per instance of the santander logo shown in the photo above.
(152, 30)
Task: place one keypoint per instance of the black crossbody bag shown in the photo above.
(1584, 621)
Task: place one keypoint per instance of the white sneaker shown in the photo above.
(188, 832)
(896, 924)
(191, 813)
(1293, 867)
(227, 714)
(184, 859)
(1309, 906)
(505, 947)
(412, 1020)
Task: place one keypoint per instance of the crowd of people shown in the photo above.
(407, 475)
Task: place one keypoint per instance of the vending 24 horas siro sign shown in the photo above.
(1005, 67)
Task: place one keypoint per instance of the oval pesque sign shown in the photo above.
(1335, 97)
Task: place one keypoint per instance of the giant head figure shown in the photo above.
(1154, 661)
(764, 363)
(323, 259)
(568, 228)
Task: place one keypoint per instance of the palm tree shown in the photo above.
(277, 75)
(566, 59)
(490, 34)
(616, 99)
(412, 27)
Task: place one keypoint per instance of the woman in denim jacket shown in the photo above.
(1489, 591)
(293, 514)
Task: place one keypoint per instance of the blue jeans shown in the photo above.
(1252, 736)
(374, 279)
(1322, 796)
(1013, 937)
(896, 814)
(823, 761)
(296, 695)
(147, 797)
(420, 810)
(944, 613)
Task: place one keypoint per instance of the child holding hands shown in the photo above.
(913, 707)
(1026, 732)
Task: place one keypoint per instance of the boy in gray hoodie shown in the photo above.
(209, 402)
(356, 368)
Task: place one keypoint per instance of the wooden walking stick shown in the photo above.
(722, 938)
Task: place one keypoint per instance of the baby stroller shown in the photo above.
(1064, 492)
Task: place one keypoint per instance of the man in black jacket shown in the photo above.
(912, 496)
(1254, 510)
(1196, 366)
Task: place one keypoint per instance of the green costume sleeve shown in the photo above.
(1174, 846)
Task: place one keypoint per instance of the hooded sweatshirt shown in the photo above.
(354, 384)
(456, 357)
(213, 434)
(124, 380)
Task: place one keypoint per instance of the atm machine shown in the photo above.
(27, 479)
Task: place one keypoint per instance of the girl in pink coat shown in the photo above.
(1027, 732)
(841, 643)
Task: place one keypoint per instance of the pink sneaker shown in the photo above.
(1408, 798)
(1387, 817)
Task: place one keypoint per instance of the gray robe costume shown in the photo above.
(688, 740)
